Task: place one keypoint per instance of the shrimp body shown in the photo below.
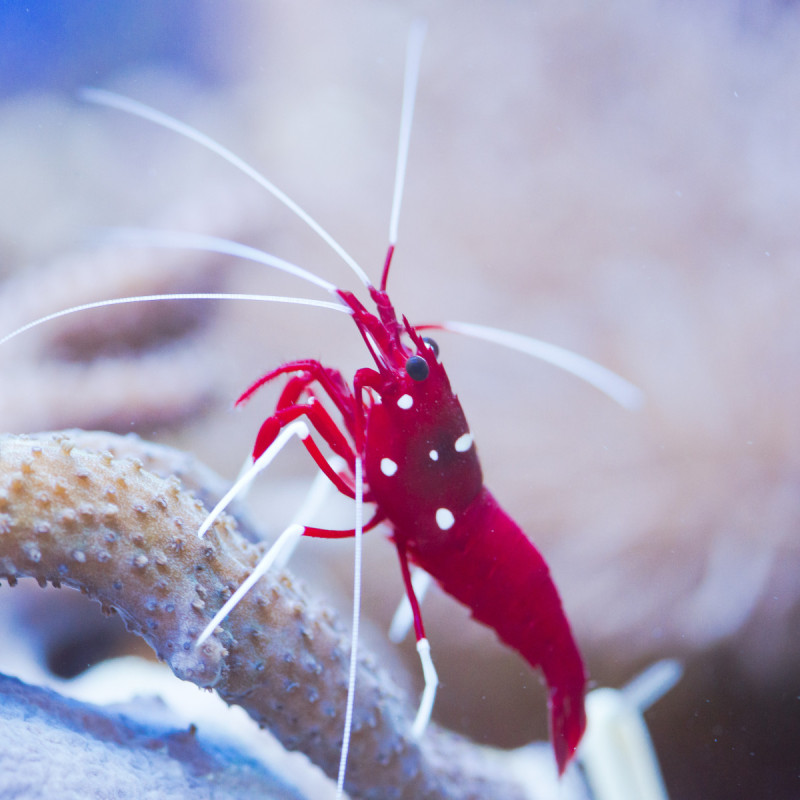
(421, 469)
(423, 473)
(488, 563)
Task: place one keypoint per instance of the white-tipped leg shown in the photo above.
(318, 494)
(617, 753)
(287, 539)
(296, 428)
(428, 693)
(351, 685)
(245, 477)
(403, 617)
(652, 684)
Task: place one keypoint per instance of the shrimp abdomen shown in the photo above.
(488, 563)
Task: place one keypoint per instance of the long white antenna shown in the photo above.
(410, 81)
(102, 97)
(148, 237)
(147, 298)
(608, 382)
(351, 684)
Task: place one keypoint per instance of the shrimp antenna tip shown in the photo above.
(614, 386)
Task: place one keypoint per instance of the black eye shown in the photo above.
(432, 344)
(417, 368)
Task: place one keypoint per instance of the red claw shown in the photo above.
(266, 436)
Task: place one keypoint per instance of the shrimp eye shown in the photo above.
(417, 368)
(432, 344)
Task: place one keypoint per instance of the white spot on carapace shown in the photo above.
(405, 402)
(434, 455)
(444, 518)
(388, 467)
(464, 442)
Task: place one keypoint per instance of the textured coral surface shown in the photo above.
(104, 524)
(54, 747)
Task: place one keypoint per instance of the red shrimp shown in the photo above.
(408, 451)
(423, 475)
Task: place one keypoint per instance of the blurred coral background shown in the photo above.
(620, 179)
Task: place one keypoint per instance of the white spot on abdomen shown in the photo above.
(434, 455)
(464, 442)
(444, 518)
(405, 402)
(388, 467)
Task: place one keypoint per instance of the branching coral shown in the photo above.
(126, 537)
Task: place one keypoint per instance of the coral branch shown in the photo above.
(95, 752)
(126, 537)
